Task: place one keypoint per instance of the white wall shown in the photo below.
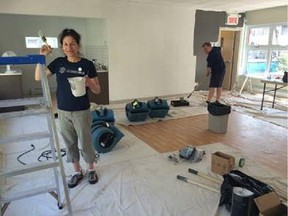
(96, 32)
(267, 16)
(150, 47)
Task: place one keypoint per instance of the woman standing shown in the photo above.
(74, 114)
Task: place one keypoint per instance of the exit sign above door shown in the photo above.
(232, 19)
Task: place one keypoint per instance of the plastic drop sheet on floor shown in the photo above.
(197, 106)
(174, 113)
(245, 103)
(250, 104)
(145, 186)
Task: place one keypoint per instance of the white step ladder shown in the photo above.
(56, 163)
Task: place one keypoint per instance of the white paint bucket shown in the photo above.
(77, 85)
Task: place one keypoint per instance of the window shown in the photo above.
(279, 61)
(258, 36)
(266, 49)
(257, 61)
(280, 35)
(36, 42)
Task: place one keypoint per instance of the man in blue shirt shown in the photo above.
(215, 68)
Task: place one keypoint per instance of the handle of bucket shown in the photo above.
(72, 85)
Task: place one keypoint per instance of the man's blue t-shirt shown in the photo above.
(64, 70)
(215, 60)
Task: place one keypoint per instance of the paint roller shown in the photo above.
(185, 179)
(195, 172)
(197, 86)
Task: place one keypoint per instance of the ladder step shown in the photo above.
(28, 112)
(25, 137)
(29, 168)
(7, 197)
(22, 102)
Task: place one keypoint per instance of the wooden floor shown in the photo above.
(245, 133)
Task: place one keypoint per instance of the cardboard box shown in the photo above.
(270, 205)
(222, 163)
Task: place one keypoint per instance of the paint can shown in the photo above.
(77, 85)
(241, 202)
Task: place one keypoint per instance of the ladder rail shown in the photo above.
(55, 139)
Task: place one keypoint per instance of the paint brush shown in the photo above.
(197, 86)
(44, 39)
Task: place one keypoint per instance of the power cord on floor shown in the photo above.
(47, 154)
(26, 152)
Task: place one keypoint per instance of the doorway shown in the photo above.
(230, 42)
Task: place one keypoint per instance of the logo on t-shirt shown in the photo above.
(78, 71)
(62, 70)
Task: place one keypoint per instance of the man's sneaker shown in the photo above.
(75, 179)
(92, 177)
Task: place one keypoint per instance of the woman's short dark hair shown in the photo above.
(206, 44)
(72, 33)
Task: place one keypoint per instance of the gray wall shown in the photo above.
(207, 24)
(14, 28)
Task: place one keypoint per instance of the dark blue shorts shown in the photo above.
(216, 79)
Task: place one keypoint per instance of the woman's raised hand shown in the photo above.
(45, 50)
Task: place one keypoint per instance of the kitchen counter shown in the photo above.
(103, 97)
(11, 88)
(11, 74)
(102, 71)
(20, 73)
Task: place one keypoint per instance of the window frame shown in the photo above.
(53, 41)
(269, 48)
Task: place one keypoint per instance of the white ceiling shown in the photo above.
(217, 5)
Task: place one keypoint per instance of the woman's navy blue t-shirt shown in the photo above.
(64, 70)
(215, 60)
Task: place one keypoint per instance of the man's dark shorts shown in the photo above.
(216, 79)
